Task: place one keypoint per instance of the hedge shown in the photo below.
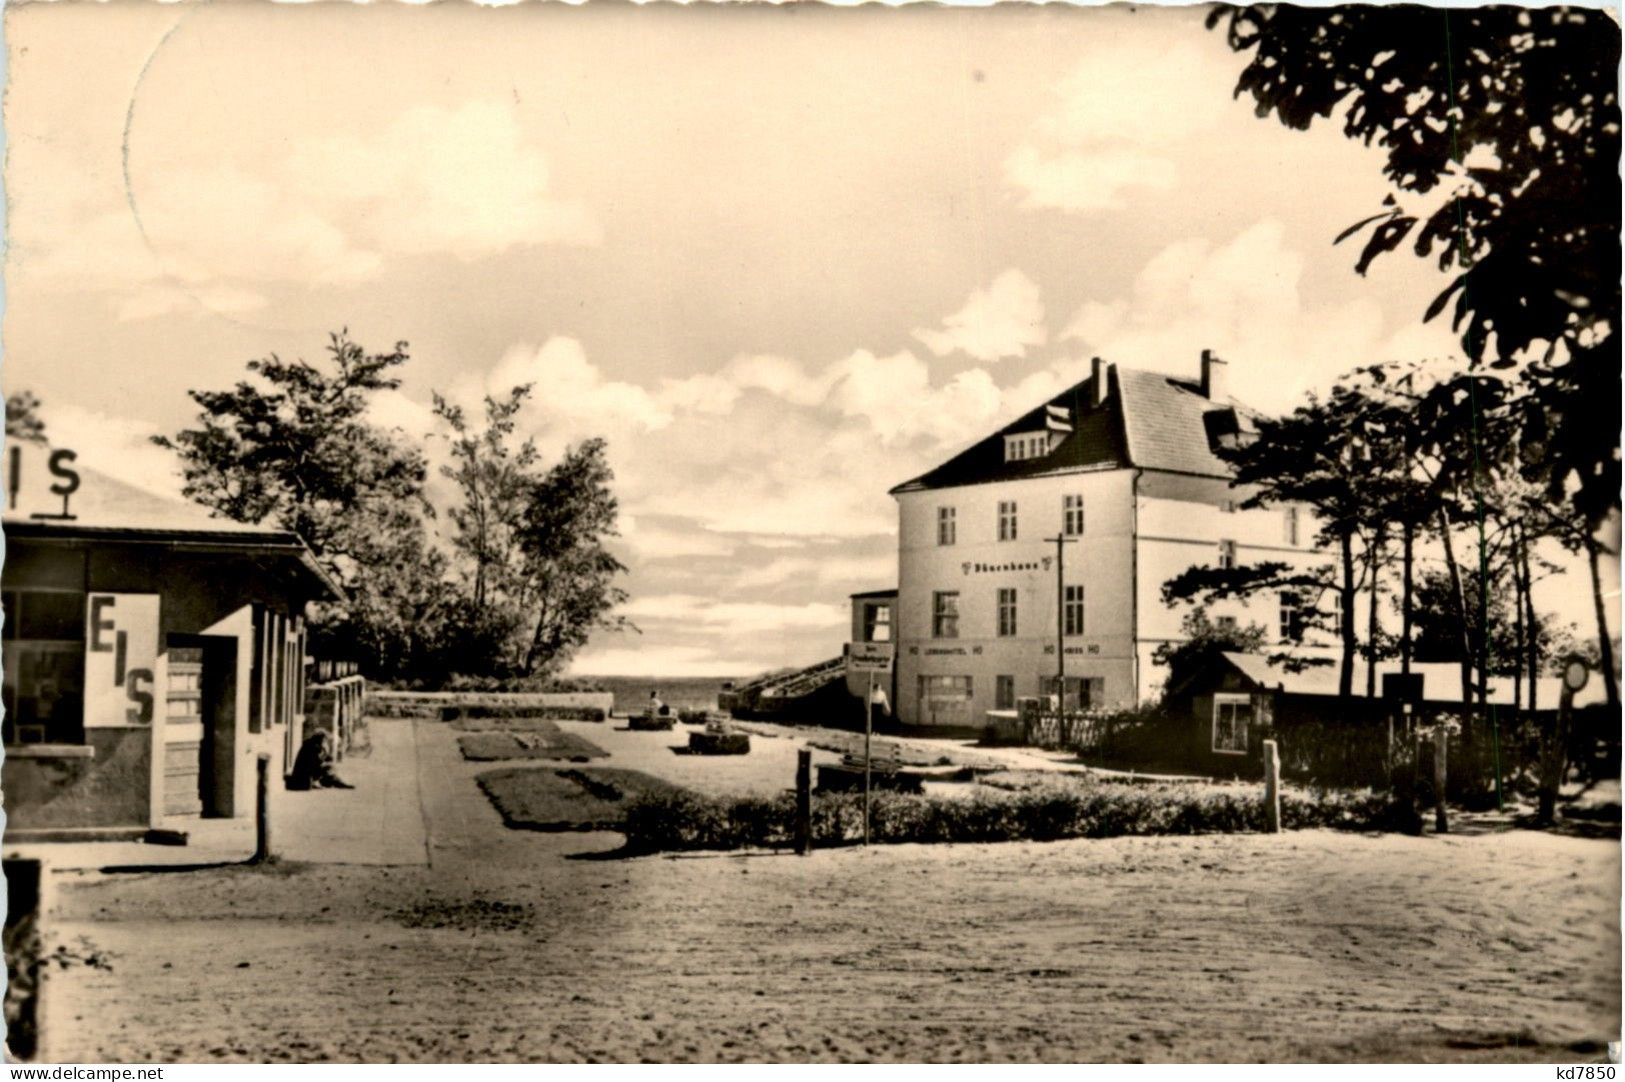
(687, 820)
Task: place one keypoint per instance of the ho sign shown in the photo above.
(121, 655)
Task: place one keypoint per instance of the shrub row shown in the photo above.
(548, 713)
(687, 820)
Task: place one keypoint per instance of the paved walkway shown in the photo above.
(379, 822)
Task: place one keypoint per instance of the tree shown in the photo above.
(1203, 640)
(23, 421)
(1515, 113)
(1439, 631)
(292, 446)
(569, 573)
(493, 480)
(1506, 120)
(538, 579)
(1318, 456)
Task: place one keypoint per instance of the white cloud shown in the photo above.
(820, 570)
(652, 541)
(673, 662)
(999, 321)
(194, 231)
(120, 447)
(1080, 180)
(161, 300)
(460, 181)
(570, 396)
(1092, 147)
(741, 617)
(1242, 299)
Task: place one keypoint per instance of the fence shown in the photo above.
(1109, 733)
(338, 707)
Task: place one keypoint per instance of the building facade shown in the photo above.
(1060, 529)
(151, 654)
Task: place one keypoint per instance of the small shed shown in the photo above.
(1224, 709)
(151, 653)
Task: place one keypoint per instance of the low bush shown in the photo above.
(504, 684)
(663, 822)
(487, 712)
(643, 723)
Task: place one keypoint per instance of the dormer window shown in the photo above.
(1025, 445)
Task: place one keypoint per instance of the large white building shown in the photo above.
(1123, 466)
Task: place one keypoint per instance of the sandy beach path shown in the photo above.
(521, 946)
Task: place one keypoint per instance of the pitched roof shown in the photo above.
(103, 502)
(1441, 681)
(105, 508)
(1147, 419)
(1171, 425)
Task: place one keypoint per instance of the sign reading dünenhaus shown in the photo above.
(869, 657)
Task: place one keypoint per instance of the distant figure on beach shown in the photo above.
(313, 766)
(657, 709)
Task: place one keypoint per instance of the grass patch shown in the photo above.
(533, 744)
(547, 799)
(686, 820)
(535, 724)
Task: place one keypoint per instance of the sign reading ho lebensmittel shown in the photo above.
(121, 656)
(865, 657)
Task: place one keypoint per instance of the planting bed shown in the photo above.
(709, 743)
(530, 798)
(536, 743)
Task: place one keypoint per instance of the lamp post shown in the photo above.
(1060, 541)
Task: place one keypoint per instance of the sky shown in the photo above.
(781, 258)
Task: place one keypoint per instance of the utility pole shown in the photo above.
(1060, 541)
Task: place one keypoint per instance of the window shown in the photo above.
(1007, 520)
(1290, 523)
(1072, 515)
(877, 623)
(44, 659)
(1227, 554)
(1292, 617)
(1232, 714)
(945, 614)
(1082, 692)
(947, 527)
(1007, 612)
(1004, 693)
(1026, 445)
(945, 700)
(1225, 623)
(1072, 610)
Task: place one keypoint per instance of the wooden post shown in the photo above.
(804, 801)
(1272, 787)
(1441, 818)
(262, 809)
(868, 736)
(1554, 757)
(25, 949)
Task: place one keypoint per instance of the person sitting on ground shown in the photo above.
(313, 766)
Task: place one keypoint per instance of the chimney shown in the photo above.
(1097, 381)
(1214, 385)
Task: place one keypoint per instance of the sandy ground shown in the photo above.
(515, 945)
